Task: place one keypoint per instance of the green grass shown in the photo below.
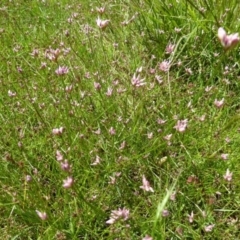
(96, 96)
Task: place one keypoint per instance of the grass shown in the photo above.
(112, 131)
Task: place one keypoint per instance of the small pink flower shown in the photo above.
(112, 131)
(167, 137)
(41, 215)
(102, 23)
(28, 178)
(150, 135)
(61, 70)
(118, 214)
(65, 166)
(173, 196)
(67, 183)
(59, 156)
(11, 94)
(164, 66)
(109, 91)
(181, 125)
(122, 146)
(219, 103)
(57, 131)
(100, 10)
(137, 82)
(191, 217)
(228, 41)
(165, 213)
(146, 185)
(224, 156)
(228, 176)
(170, 48)
(147, 237)
(97, 85)
(97, 161)
(209, 228)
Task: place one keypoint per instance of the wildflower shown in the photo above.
(224, 156)
(209, 228)
(109, 91)
(67, 183)
(189, 71)
(146, 185)
(181, 125)
(61, 70)
(228, 41)
(219, 103)
(147, 237)
(228, 176)
(97, 161)
(118, 214)
(122, 146)
(191, 217)
(173, 196)
(102, 23)
(137, 82)
(41, 215)
(57, 131)
(28, 178)
(159, 79)
(112, 131)
(11, 94)
(170, 48)
(164, 66)
(97, 85)
(69, 88)
(65, 166)
(168, 137)
(165, 213)
(150, 135)
(59, 156)
(100, 10)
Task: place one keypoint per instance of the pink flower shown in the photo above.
(146, 185)
(61, 70)
(137, 82)
(219, 103)
(224, 156)
(97, 161)
(228, 176)
(191, 217)
(181, 125)
(97, 85)
(165, 213)
(67, 183)
(57, 131)
(228, 41)
(164, 66)
(102, 23)
(59, 156)
(100, 10)
(209, 228)
(28, 178)
(65, 166)
(170, 48)
(173, 196)
(11, 94)
(118, 214)
(112, 131)
(41, 215)
(147, 237)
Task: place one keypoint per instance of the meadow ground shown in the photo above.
(119, 119)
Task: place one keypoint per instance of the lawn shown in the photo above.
(119, 119)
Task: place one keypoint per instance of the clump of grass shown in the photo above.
(119, 121)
